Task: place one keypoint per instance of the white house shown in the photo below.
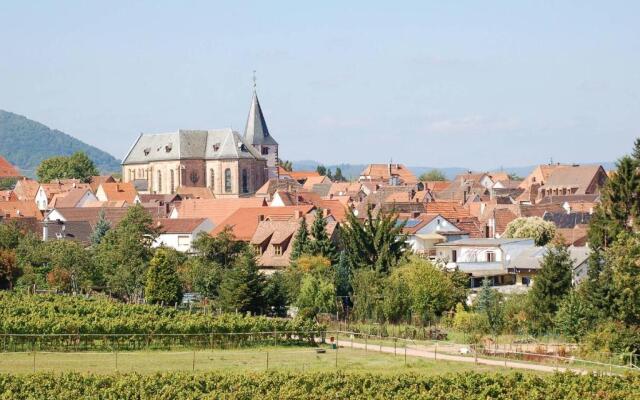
(485, 258)
(180, 233)
(424, 231)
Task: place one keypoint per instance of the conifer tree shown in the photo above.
(550, 286)
(343, 276)
(300, 241)
(320, 243)
(636, 150)
(101, 229)
(163, 284)
(242, 288)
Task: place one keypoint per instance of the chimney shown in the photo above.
(260, 217)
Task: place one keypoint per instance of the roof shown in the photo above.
(115, 191)
(68, 199)
(315, 180)
(576, 236)
(19, 209)
(414, 223)
(579, 177)
(437, 186)
(502, 218)
(272, 185)
(385, 171)
(26, 189)
(565, 220)
(62, 186)
(195, 192)
(485, 242)
(179, 225)
(217, 210)
(77, 231)
(7, 170)
(451, 210)
(299, 175)
(99, 179)
(92, 214)
(256, 131)
(217, 144)
(244, 221)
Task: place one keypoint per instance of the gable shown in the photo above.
(438, 224)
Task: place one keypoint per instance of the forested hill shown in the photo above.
(25, 143)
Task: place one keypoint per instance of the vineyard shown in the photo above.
(76, 323)
(282, 385)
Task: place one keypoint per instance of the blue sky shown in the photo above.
(479, 84)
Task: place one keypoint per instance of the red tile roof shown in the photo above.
(19, 209)
(217, 210)
(181, 225)
(244, 221)
(7, 170)
(115, 191)
(384, 172)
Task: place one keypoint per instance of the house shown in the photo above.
(46, 191)
(574, 180)
(424, 231)
(180, 234)
(244, 221)
(76, 197)
(26, 189)
(484, 258)
(393, 174)
(116, 191)
(273, 185)
(191, 192)
(274, 237)
(87, 214)
(77, 231)
(216, 210)
(97, 180)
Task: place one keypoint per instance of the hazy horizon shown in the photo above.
(442, 84)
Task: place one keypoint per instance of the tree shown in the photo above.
(636, 150)
(222, 249)
(489, 303)
(200, 276)
(163, 285)
(76, 166)
(301, 240)
(550, 286)
(433, 175)
(276, 296)
(320, 243)
(514, 177)
(367, 295)
(373, 243)
(72, 268)
(621, 264)
(124, 253)
(572, 319)
(316, 296)
(329, 174)
(343, 276)
(101, 228)
(536, 228)
(338, 177)
(9, 271)
(321, 170)
(242, 287)
(10, 235)
(286, 165)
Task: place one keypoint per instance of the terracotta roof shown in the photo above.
(573, 236)
(68, 199)
(344, 188)
(315, 180)
(502, 217)
(472, 226)
(97, 180)
(499, 176)
(383, 172)
(105, 204)
(217, 210)
(437, 186)
(26, 189)
(272, 185)
(62, 186)
(19, 209)
(539, 175)
(417, 222)
(451, 210)
(179, 225)
(579, 177)
(244, 221)
(92, 214)
(300, 175)
(195, 192)
(7, 170)
(119, 191)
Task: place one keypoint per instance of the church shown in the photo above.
(229, 164)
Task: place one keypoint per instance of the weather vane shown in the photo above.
(254, 78)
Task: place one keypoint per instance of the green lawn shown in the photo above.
(279, 358)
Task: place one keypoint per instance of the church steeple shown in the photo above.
(256, 131)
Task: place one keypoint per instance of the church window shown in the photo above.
(159, 182)
(173, 183)
(245, 181)
(212, 184)
(227, 180)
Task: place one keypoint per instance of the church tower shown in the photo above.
(257, 134)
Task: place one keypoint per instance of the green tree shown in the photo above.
(163, 285)
(572, 319)
(320, 243)
(489, 303)
(338, 177)
(321, 169)
(376, 243)
(636, 150)
(276, 295)
(242, 287)
(100, 229)
(343, 276)
(621, 264)
(551, 285)
(9, 271)
(201, 276)
(433, 175)
(316, 296)
(222, 249)
(286, 165)
(367, 295)
(71, 260)
(515, 177)
(536, 228)
(124, 253)
(10, 235)
(300, 240)
(76, 166)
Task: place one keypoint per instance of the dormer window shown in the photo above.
(216, 147)
(242, 147)
(277, 248)
(147, 151)
(167, 148)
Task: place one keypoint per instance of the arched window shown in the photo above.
(212, 184)
(227, 180)
(173, 183)
(245, 181)
(159, 182)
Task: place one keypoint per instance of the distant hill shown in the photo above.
(25, 143)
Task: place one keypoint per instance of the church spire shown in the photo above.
(256, 131)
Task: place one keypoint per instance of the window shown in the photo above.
(173, 183)
(245, 181)
(265, 151)
(184, 241)
(227, 180)
(454, 255)
(258, 249)
(491, 256)
(159, 181)
(212, 184)
(277, 249)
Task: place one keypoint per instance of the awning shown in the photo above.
(430, 236)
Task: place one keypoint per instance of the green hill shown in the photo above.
(25, 143)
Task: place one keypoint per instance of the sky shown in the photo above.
(475, 84)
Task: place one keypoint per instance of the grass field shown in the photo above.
(278, 358)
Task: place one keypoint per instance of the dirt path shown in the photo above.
(434, 355)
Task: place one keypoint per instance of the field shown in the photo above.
(294, 359)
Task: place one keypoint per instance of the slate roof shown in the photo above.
(77, 231)
(563, 220)
(216, 144)
(256, 131)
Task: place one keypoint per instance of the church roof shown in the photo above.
(256, 131)
(190, 144)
